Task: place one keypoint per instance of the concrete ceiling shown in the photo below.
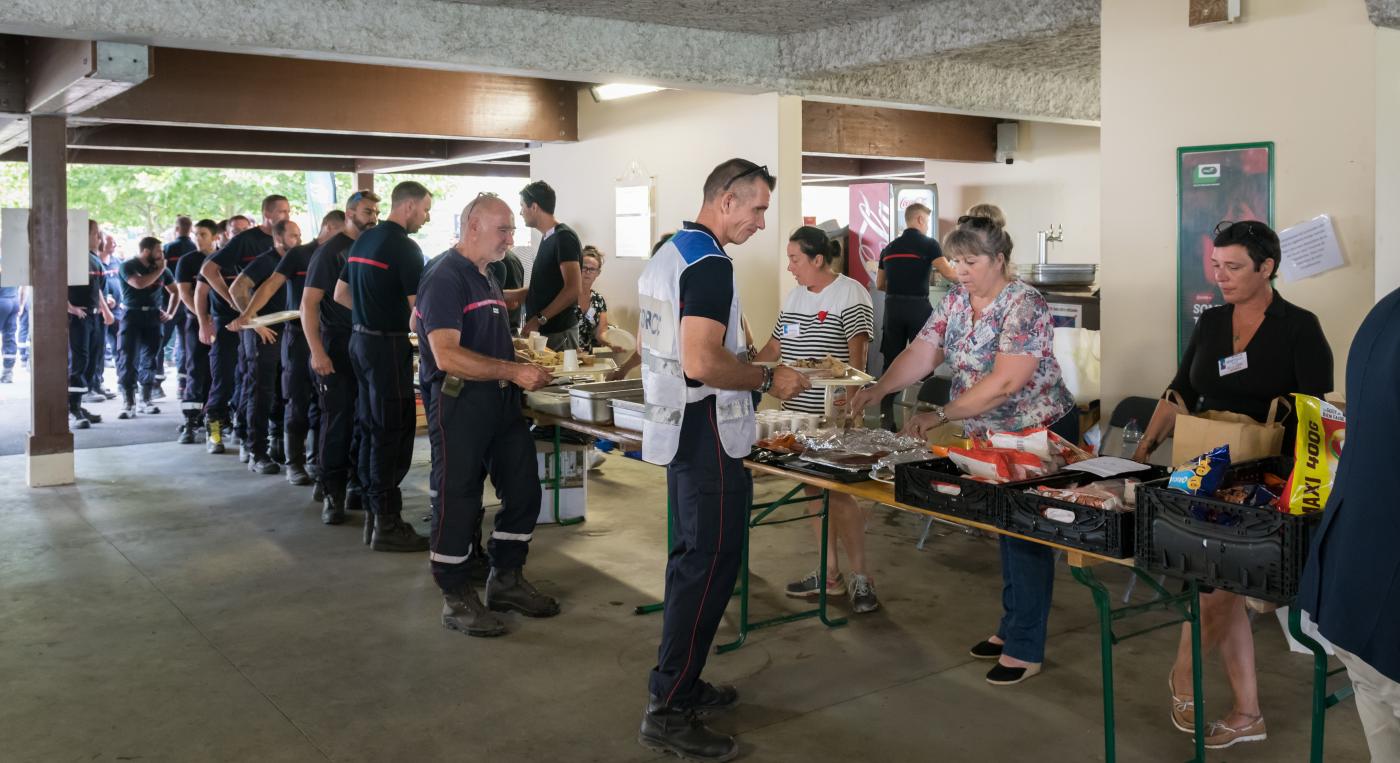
(764, 17)
(1384, 12)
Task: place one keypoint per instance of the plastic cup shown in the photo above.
(570, 360)
(538, 342)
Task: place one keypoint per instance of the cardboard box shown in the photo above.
(573, 496)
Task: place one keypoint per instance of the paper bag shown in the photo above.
(1198, 433)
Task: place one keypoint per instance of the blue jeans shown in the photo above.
(1028, 581)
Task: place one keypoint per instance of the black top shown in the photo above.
(177, 249)
(260, 269)
(1287, 354)
(454, 294)
(237, 254)
(706, 287)
(187, 270)
(293, 267)
(510, 274)
(86, 296)
(908, 263)
(382, 269)
(322, 273)
(546, 280)
(112, 281)
(149, 298)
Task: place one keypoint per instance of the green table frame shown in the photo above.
(1186, 605)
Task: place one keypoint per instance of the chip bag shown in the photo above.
(1000, 464)
(1203, 475)
(1322, 429)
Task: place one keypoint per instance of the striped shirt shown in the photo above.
(814, 325)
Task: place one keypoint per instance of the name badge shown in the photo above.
(1234, 364)
(791, 330)
(592, 314)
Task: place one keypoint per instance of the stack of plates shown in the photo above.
(1058, 275)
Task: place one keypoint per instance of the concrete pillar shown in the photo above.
(50, 444)
(364, 181)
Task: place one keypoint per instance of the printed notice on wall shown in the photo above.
(1309, 249)
(633, 220)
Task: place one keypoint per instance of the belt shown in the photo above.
(141, 309)
(360, 329)
(920, 297)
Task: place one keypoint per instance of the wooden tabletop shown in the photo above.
(625, 437)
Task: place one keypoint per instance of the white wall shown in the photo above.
(827, 202)
(1166, 85)
(678, 137)
(1054, 180)
(1387, 162)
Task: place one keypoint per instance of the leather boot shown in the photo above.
(214, 437)
(507, 590)
(462, 611)
(332, 510)
(680, 732)
(189, 428)
(355, 499)
(318, 493)
(391, 533)
(128, 405)
(296, 461)
(275, 451)
(146, 405)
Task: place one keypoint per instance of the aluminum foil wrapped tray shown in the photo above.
(863, 442)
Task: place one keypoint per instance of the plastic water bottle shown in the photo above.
(1132, 435)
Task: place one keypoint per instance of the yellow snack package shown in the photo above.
(1322, 430)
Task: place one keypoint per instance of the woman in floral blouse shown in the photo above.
(996, 333)
(592, 308)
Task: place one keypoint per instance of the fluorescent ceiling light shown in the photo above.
(613, 91)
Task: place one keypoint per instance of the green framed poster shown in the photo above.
(1214, 183)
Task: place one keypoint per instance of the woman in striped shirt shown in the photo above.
(828, 314)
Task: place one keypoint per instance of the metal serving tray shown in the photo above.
(592, 402)
(628, 414)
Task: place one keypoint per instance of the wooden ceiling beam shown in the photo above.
(131, 137)
(74, 76)
(198, 161)
(201, 88)
(868, 131)
(461, 153)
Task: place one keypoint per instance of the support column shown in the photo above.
(50, 445)
(364, 181)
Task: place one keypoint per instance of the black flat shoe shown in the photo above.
(986, 651)
(1001, 675)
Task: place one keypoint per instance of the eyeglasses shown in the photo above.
(978, 222)
(758, 169)
(590, 269)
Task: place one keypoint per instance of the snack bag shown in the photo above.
(1033, 441)
(1203, 475)
(1322, 429)
(998, 463)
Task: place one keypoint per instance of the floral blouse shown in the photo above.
(588, 322)
(1017, 322)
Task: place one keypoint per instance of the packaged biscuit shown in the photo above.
(1203, 475)
(1322, 429)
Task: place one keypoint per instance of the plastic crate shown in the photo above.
(1249, 550)
(1110, 533)
(975, 500)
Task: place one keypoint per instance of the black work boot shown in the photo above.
(391, 533)
(332, 511)
(261, 463)
(369, 525)
(709, 699)
(76, 419)
(318, 493)
(214, 437)
(296, 461)
(680, 732)
(128, 405)
(479, 566)
(275, 451)
(90, 416)
(507, 590)
(355, 499)
(189, 429)
(146, 405)
(7, 376)
(462, 611)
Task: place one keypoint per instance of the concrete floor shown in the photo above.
(183, 609)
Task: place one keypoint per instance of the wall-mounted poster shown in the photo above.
(1214, 183)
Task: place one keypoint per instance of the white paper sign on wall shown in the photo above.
(633, 220)
(14, 247)
(1309, 249)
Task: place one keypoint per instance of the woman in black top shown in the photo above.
(1241, 356)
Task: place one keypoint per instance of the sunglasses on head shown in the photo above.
(977, 221)
(758, 169)
(1250, 229)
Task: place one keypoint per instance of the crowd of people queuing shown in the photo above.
(297, 349)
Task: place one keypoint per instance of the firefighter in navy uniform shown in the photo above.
(700, 424)
(217, 273)
(175, 251)
(283, 287)
(476, 427)
(261, 345)
(326, 326)
(379, 285)
(84, 302)
(145, 278)
(194, 354)
(906, 270)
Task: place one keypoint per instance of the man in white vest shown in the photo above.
(700, 424)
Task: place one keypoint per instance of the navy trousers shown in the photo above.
(384, 370)
(710, 494)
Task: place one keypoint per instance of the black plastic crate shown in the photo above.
(1250, 550)
(1110, 533)
(976, 500)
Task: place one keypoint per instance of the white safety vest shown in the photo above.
(662, 379)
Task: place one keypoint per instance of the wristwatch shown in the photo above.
(942, 415)
(767, 379)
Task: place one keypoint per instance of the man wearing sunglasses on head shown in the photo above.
(699, 389)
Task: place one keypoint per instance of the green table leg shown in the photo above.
(1197, 680)
(647, 609)
(1321, 701)
(1086, 576)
